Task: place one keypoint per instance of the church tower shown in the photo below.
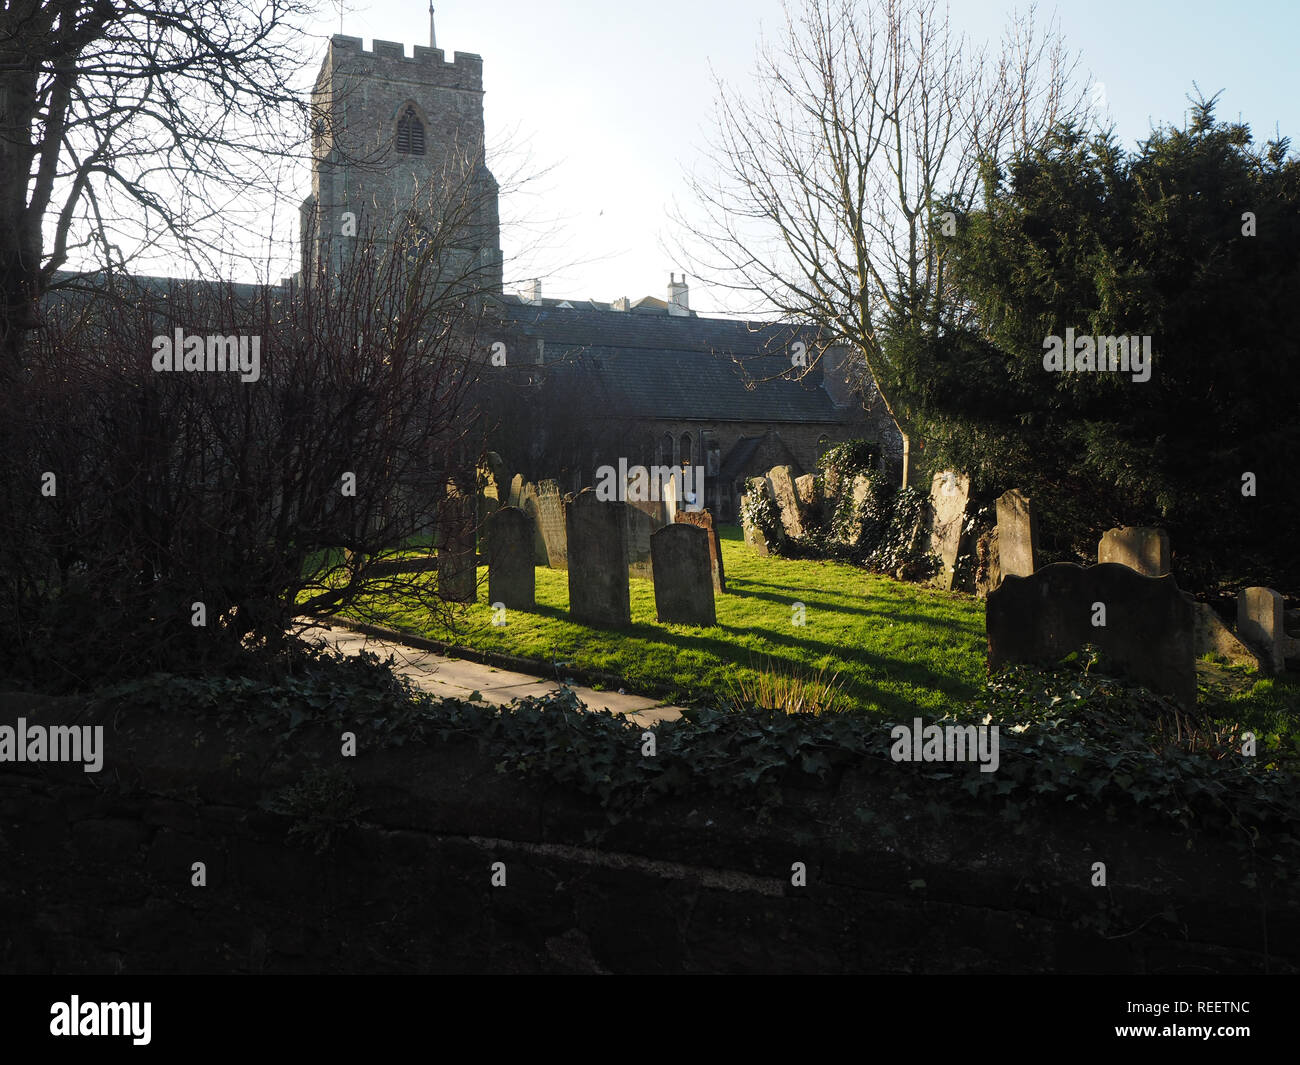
(397, 147)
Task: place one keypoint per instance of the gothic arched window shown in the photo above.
(410, 133)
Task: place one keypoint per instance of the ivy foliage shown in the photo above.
(1069, 739)
(758, 511)
(882, 530)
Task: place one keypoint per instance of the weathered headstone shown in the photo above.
(682, 575)
(809, 492)
(1017, 534)
(1147, 631)
(457, 576)
(1140, 547)
(652, 508)
(758, 489)
(1261, 623)
(859, 489)
(500, 476)
(598, 560)
(489, 499)
(949, 498)
(487, 483)
(781, 482)
(516, 497)
(528, 504)
(832, 485)
(552, 523)
(704, 519)
(511, 578)
(1212, 636)
(988, 563)
(640, 526)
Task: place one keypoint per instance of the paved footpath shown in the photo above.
(456, 678)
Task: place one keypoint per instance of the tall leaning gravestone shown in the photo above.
(596, 532)
(1017, 534)
(683, 575)
(949, 498)
(511, 578)
(1148, 629)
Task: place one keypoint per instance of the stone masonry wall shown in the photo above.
(96, 873)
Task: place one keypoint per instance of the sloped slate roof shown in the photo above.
(708, 369)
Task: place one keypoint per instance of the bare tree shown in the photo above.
(125, 123)
(139, 479)
(827, 178)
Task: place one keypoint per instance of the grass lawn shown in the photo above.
(897, 648)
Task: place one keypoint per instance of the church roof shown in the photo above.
(691, 368)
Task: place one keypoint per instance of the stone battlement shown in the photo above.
(465, 71)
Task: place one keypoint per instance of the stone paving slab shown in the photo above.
(456, 678)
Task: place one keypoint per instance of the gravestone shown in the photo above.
(1140, 547)
(488, 499)
(682, 575)
(949, 497)
(1017, 534)
(598, 560)
(1261, 623)
(859, 490)
(1148, 631)
(988, 563)
(832, 485)
(808, 491)
(640, 526)
(653, 508)
(783, 492)
(759, 488)
(516, 497)
(511, 578)
(528, 504)
(499, 475)
(704, 519)
(552, 523)
(457, 577)
(1212, 636)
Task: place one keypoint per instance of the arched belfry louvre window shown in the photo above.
(410, 133)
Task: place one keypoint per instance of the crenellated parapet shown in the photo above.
(388, 59)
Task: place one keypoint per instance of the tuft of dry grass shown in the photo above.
(790, 692)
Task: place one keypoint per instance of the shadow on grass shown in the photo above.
(838, 608)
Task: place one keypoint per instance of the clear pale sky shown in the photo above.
(617, 98)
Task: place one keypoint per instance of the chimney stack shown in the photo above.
(678, 300)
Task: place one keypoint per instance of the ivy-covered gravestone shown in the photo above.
(759, 518)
